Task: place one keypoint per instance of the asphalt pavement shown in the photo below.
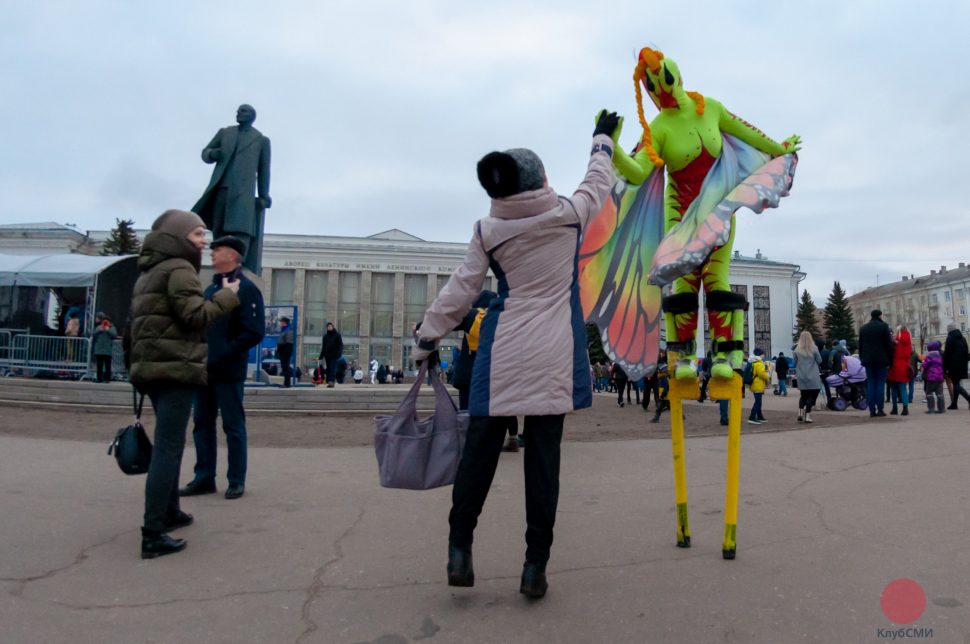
(317, 551)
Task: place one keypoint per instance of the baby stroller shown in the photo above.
(848, 386)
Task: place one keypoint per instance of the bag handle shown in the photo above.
(441, 392)
(136, 402)
(409, 406)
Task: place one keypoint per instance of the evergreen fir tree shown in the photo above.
(594, 345)
(122, 239)
(838, 318)
(805, 318)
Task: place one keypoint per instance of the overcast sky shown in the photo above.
(378, 111)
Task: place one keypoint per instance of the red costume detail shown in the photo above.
(667, 100)
(690, 178)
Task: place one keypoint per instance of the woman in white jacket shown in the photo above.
(530, 240)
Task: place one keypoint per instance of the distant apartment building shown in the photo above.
(925, 304)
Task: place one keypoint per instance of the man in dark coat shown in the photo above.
(620, 378)
(955, 357)
(876, 354)
(229, 340)
(331, 348)
(781, 368)
(237, 196)
(284, 350)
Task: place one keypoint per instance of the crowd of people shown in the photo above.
(189, 348)
(610, 377)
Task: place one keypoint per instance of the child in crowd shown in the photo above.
(760, 378)
(933, 378)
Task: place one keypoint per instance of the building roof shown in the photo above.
(41, 226)
(936, 278)
(395, 234)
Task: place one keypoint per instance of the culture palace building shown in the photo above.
(374, 289)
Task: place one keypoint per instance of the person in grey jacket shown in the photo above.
(102, 341)
(807, 361)
(530, 240)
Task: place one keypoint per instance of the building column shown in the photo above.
(398, 333)
(365, 284)
(432, 289)
(299, 289)
(267, 276)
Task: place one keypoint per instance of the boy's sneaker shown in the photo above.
(754, 421)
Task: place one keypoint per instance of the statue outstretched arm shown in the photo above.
(212, 151)
(734, 125)
(635, 169)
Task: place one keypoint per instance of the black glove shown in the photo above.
(606, 123)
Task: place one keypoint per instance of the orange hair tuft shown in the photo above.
(646, 140)
(651, 58)
(698, 102)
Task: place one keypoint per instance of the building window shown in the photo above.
(315, 303)
(442, 280)
(282, 287)
(382, 352)
(311, 354)
(946, 296)
(963, 327)
(963, 309)
(742, 289)
(352, 355)
(761, 309)
(934, 299)
(382, 305)
(348, 306)
(415, 301)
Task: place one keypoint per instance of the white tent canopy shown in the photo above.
(54, 270)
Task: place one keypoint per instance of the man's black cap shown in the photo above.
(232, 242)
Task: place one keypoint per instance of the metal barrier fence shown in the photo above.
(33, 355)
(10, 353)
(25, 354)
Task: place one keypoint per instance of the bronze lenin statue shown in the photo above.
(237, 197)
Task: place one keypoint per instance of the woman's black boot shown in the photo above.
(157, 544)
(534, 582)
(460, 571)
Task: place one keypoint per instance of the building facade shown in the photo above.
(375, 289)
(926, 304)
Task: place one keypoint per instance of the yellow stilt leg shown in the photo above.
(730, 390)
(680, 390)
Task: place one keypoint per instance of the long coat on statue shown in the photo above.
(243, 170)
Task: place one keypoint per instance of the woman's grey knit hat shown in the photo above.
(508, 173)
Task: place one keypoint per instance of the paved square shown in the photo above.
(317, 552)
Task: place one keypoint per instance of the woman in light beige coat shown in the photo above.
(530, 240)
